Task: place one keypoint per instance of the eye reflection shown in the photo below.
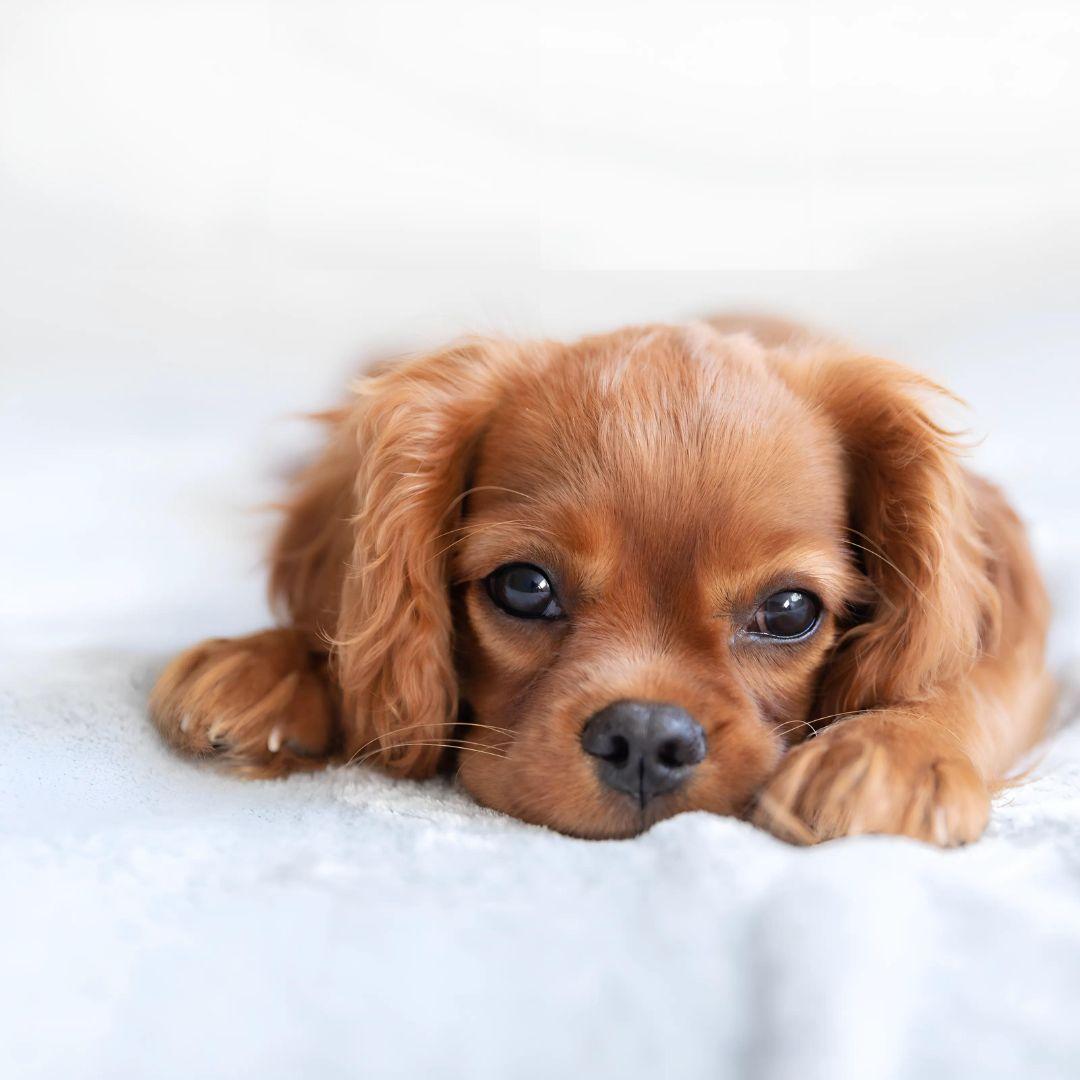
(524, 591)
(787, 614)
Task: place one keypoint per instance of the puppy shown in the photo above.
(723, 566)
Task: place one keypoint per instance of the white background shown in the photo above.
(211, 215)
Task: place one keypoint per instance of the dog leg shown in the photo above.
(925, 770)
(261, 705)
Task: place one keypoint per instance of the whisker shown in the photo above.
(907, 581)
(425, 742)
(491, 525)
(479, 526)
(440, 723)
(789, 726)
(485, 487)
(889, 563)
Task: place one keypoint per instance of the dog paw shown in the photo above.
(255, 704)
(873, 774)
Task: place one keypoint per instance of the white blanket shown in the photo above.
(163, 920)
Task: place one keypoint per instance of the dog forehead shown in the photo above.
(666, 427)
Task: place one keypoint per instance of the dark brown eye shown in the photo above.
(786, 614)
(524, 591)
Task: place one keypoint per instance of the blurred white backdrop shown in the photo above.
(211, 213)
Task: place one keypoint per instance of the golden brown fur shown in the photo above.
(666, 476)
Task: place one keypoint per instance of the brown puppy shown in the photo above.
(723, 566)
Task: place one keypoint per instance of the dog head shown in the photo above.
(627, 573)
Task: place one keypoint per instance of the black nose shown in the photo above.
(644, 748)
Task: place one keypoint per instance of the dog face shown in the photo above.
(635, 506)
(625, 570)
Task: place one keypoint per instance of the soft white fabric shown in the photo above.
(162, 920)
(210, 214)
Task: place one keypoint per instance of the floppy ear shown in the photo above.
(930, 606)
(417, 427)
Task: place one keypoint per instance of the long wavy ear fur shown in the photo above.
(931, 606)
(416, 426)
(313, 545)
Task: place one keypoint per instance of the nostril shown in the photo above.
(672, 753)
(611, 736)
(610, 746)
(679, 742)
(619, 751)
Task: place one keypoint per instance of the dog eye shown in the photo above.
(786, 614)
(525, 591)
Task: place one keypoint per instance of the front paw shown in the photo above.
(875, 774)
(254, 704)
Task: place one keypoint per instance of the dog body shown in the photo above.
(726, 566)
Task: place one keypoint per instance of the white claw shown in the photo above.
(185, 722)
(273, 740)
